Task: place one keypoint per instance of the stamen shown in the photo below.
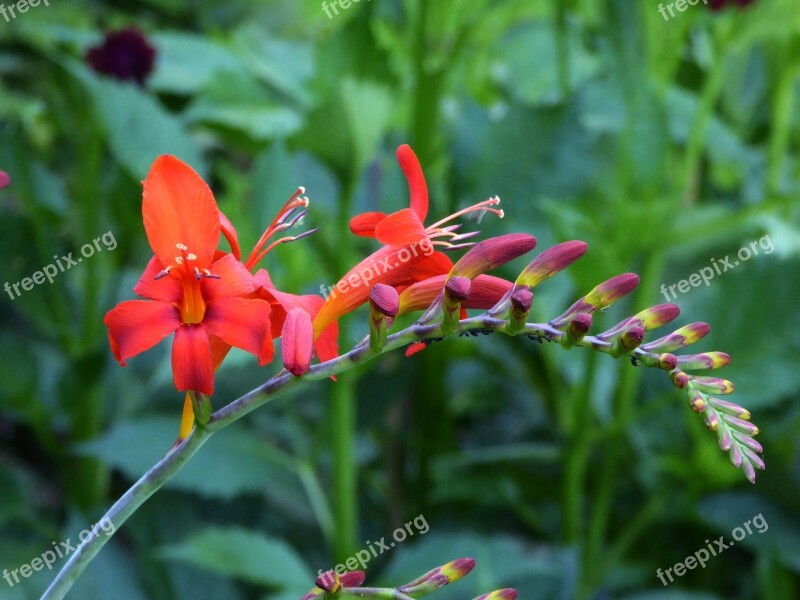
(163, 273)
(197, 273)
(482, 207)
(284, 220)
(183, 247)
(448, 246)
(179, 260)
(283, 240)
(209, 275)
(191, 256)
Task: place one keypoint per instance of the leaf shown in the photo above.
(138, 129)
(233, 462)
(237, 101)
(252, 557)
(186, 62)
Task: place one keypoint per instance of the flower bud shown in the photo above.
(505, 594)
(577, 328)
(667, 362)
(713, 385)
(4, 179)
(658, 316)
(297, 341)
(384, 300)
(688, 334)
(384, 304)
(729, 408)
(679, 379)
(492, 253)
(438, 577)
(550, 262)
(704, 360)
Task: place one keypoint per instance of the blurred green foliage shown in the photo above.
(663, 144)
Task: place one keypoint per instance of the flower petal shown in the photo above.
(365, 223)
(179, 208)
(166, 289)
(234, 280)
(401, 228)
(192, 367)
(137, 325)
(230, 234)
(418, 189)
(241, 322)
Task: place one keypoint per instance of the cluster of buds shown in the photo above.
(509, 303)
(331, 585)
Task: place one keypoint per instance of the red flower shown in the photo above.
(191, 289)
(407, 255)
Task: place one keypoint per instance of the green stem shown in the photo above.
(345, 484)
(171, 464)
(577, 454)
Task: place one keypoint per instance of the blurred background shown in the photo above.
(665, 142)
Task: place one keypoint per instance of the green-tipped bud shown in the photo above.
(438, 577)
(704, 360)
(612, 290)
(713, 385)
(505, 594)
(658, 316)
(601, 296)
(742, 425)
(384, 303)
(550, 262)
(729, 408)
(689, 334)
(492, 253)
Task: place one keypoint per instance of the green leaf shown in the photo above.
(137, 128)
(251, 557)
(186, 62)
(237, 101)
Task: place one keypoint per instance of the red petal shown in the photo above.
(327, 344)
(192, 367)
(415, 347)
(137, 325)
(417, 187)
(240, 322)
(486, 291)
(230, 234)
(179, 208)
(234, 279)
(166, 289)
(297, 341)
(391, 265)
(401, 228)
(365, 223)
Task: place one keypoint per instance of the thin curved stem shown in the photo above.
(173, 462)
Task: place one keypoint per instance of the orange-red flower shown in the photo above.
(408, 253)
(191, 289)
